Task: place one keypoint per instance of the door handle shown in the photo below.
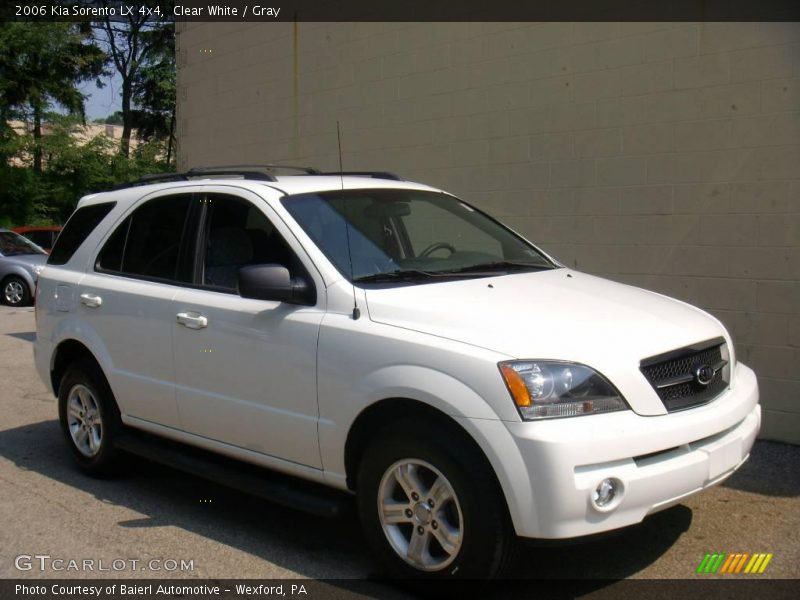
(91, 300)
(192, 320)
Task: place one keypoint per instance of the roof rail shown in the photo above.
(152, 178)
(266, 167)
(373, 174)
(255, 172)
(243, 171)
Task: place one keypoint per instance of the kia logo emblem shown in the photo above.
(704, 374)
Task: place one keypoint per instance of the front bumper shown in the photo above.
(659, 461)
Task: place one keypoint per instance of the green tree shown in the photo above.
(135, 44)
(74, 167)
(112, 119)
(154, 95)
(41, 65)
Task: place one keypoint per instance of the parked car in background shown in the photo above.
(44, 237)
(21, 261)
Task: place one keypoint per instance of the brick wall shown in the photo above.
(662, 155)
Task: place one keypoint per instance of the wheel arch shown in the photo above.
(378, 416)
(67, 353)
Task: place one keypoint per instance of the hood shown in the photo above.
(560, 315)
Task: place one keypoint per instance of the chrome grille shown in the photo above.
(674, 377)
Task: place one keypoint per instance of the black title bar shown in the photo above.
(268, 11)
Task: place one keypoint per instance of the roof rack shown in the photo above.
(244, 171)
(152, 178)
(254, 172)
(266, 167)
(373, 174)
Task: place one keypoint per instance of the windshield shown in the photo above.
(410, 235)
(13, 244)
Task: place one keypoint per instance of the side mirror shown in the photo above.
(274, 282)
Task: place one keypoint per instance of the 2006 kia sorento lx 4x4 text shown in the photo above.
(383, 337)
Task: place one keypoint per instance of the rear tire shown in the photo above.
(15, 291)
(431, 507)
(89, 418)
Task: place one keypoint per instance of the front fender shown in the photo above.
(424, 384)
(412, 382)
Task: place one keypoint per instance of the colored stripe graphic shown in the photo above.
(731, 564)
(740, 564)
(711, 562)
(701, 568)
(754, 563)
(728, 563)
(735, 563)
(766, 562)
(718, 563)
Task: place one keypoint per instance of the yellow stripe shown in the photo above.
(765, 563)
(741, 562)
(754, 562)
(727, 563)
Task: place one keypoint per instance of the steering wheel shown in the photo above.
(436, 246)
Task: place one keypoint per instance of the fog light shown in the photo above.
(606, 492)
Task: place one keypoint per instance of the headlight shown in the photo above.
(544, 389)
(37, 269)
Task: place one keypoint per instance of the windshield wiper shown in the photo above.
(501, 265)
(399, 275)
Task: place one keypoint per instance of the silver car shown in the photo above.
(21, 261)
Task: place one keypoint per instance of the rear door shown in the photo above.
(128, 297)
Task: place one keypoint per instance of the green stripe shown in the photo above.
(711, 562)
(703, 563)
(718, 564)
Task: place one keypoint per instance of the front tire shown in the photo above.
(430, 506)
(15, 291)
(89, 418)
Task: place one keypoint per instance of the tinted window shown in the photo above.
(82, 222)
(110, 258)
(147, 243)
(40, 238)
(238, 234)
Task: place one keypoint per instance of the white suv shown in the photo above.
(383, 338)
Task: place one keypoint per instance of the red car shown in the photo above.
(44, 237)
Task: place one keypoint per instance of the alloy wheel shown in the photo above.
(84, 420)
(13, 292)
(420, 514)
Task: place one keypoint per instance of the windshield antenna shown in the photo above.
(356, 311)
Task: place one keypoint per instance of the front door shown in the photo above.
(245, 370)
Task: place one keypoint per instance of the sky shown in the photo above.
(102, 102)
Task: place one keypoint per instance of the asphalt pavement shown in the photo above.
(153, 519)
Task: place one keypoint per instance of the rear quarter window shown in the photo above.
(82, 222)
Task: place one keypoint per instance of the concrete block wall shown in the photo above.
(665, 155)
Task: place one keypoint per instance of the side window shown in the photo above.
(147, 243)
(82, 222)
(238, 234)
(39, 238)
